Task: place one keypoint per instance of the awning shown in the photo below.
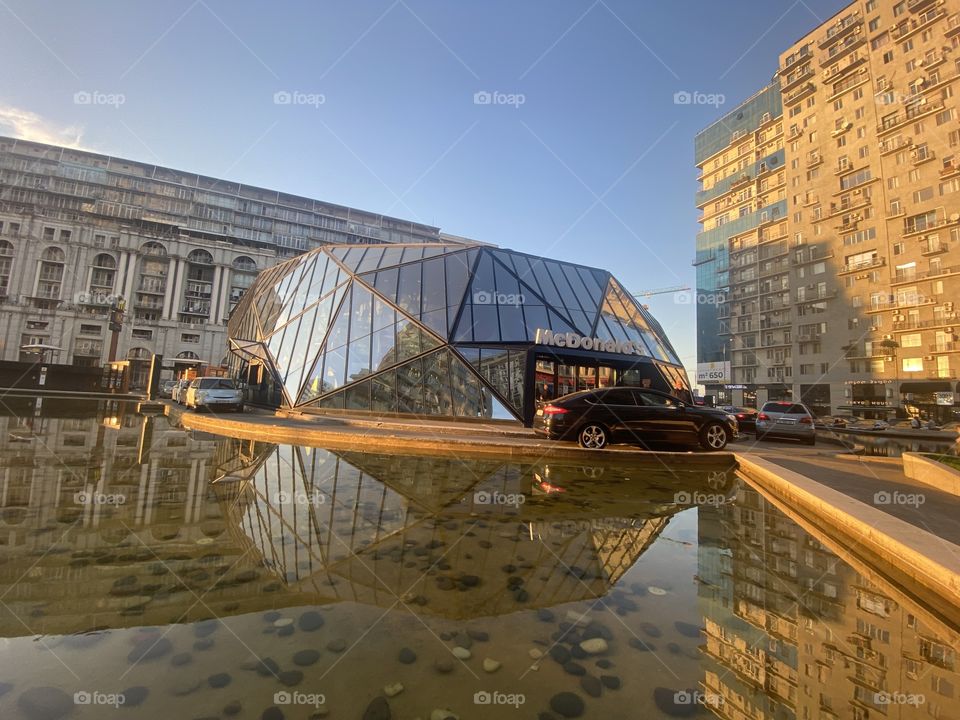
(926, 386)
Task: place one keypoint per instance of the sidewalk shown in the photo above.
(862, 478)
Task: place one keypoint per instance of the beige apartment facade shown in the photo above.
(869, 272)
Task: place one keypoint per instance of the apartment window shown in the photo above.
(6, 264)
(190, 338)
(49, 234)
(873, 24)
(910, 341)
(893, 182)
(912, 364)
(100, 241)
(900, 8)
(944, 117)
(91, 330)
(923, 194)
(141, 334)
(51, 273)
(888, 56)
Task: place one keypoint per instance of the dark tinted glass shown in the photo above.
(616, 397)
(653, 399)
(783, 407)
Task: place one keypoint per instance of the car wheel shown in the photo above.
(812, 441)
(592, 437)
(714, 437)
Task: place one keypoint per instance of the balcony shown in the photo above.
(913, 301)
(918, 157)
(945, 347)
(953, 25)
(889, 146)
(798, 95)
(949, 170)
(827, 295)
(920, 109)
(929, 249)
(792, 81)
(916, 277)
(800, 56)
(918, 5)
(862, 265)
(948, 320)
(855, 61)
(907, 28)
(814, 160)
(849, 44)
(812, 258)
(844, 28)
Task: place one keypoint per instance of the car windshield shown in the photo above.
(216, 384)
(785, 408)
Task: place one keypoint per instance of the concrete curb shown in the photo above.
(387, 440)
(932, 473)
(921, 556)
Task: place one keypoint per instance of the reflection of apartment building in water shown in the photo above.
(794, 632)
(851, 304)
(78, 230)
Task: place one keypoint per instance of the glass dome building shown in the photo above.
(452, 330)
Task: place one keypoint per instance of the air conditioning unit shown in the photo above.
(928, 357)
(888, 337)
(948, 330)
(858, 192)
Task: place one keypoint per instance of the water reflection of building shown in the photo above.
(112, 519)
(792, 631)
(363, 527)
(92, 494)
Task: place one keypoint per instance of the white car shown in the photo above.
(214, 393)
(179, 392)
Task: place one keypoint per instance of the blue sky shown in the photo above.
(583, 155)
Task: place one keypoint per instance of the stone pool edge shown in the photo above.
(385, 439)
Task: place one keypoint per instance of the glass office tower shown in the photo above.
(441, 330)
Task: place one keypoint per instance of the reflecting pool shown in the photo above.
(149, 572)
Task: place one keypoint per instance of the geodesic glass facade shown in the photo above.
(447, 330)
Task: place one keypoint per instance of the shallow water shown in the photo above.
(148, 572)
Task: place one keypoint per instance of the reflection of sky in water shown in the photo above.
(398, 552)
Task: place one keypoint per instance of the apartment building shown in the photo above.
(743, 202)
(80, 232)
(870, 269)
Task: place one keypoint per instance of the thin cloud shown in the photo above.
(27, 125)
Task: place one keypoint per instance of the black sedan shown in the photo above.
(746, 417)
(633, 415)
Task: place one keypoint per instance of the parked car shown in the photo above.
(746, 417)
(214, 393)
(788, 420)
(179, 393)
(597, 418)
(166, 388)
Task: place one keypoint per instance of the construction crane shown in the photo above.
(661, 291)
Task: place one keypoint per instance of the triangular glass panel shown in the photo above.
(312, 354)
(504, 371)
(498, 411)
